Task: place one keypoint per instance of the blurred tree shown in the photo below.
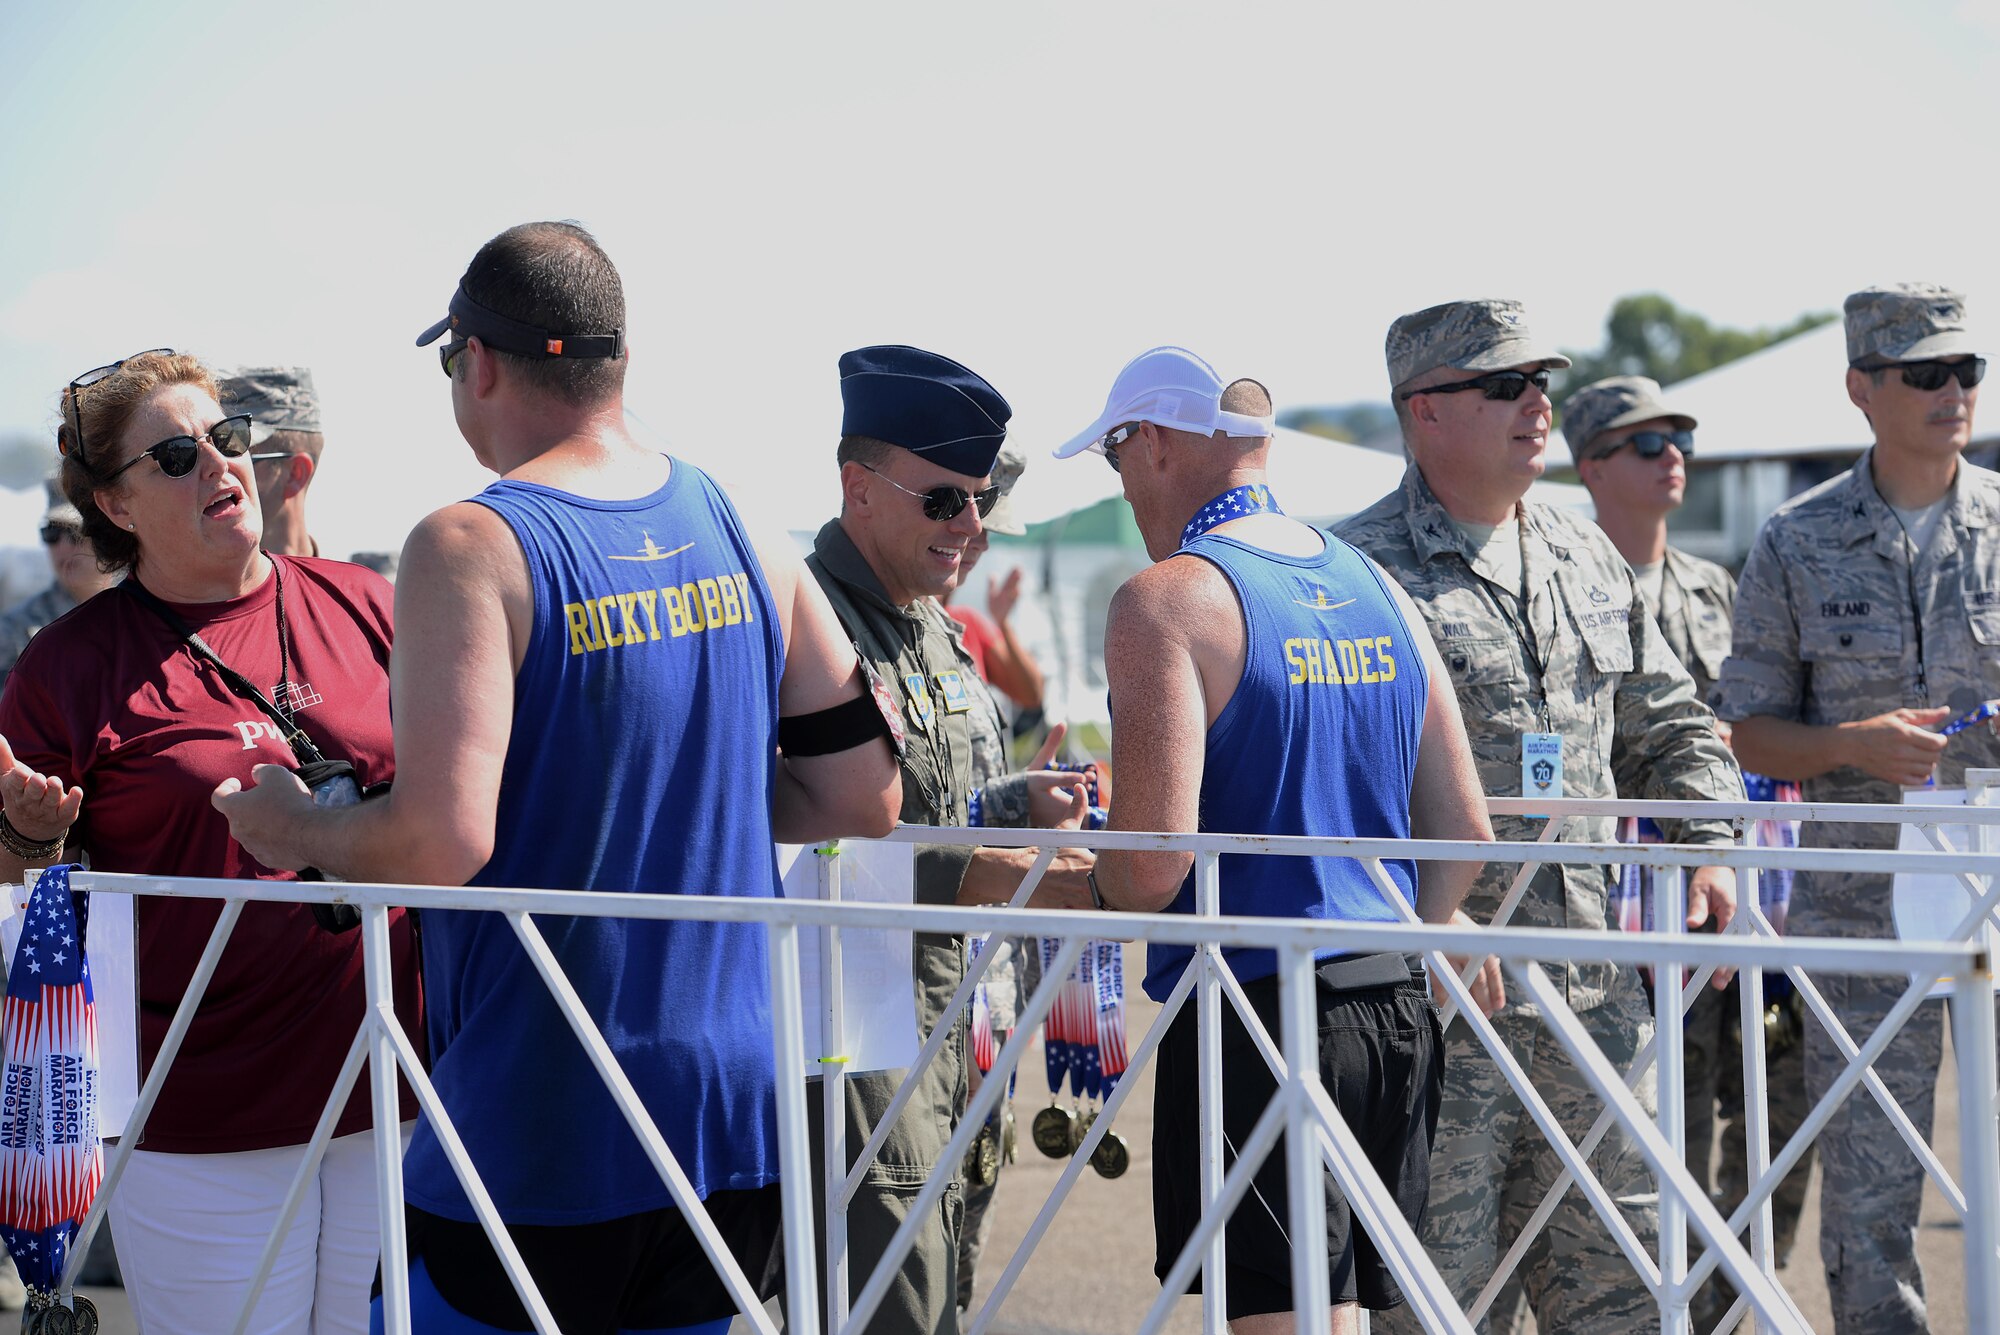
(1355, 423)
(1649, 335)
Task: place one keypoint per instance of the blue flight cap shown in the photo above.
(927, 404)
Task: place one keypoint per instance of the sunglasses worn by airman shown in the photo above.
(55, 533)
(947, 502)
(1503, 385)
(1653, 444)
(447, 351)
(176, 455)
(92, 377)
(1932, 375)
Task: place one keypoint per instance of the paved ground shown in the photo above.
(1093, 1270)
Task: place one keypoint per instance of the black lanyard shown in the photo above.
(1910, 554)
(302, 745)
(1523, 624)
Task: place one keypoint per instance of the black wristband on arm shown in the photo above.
(841, 728)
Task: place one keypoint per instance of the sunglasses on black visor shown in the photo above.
(947, 502)
(1506, 385)
(1932, 375)
(176, 454)
(1653, 444)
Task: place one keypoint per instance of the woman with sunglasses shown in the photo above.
(114, 730)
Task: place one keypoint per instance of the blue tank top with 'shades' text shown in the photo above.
(641, 759)
(1320, 738)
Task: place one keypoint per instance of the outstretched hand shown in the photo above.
(265, 818)
(1002, 594)
(38, 806)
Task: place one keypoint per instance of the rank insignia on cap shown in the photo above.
(921, 709)
(956, 698)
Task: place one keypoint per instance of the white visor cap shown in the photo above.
(1169, 387)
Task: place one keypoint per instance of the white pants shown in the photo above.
(191, 1227)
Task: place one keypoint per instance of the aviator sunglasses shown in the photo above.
(946, 502)
(176, 455)
(1503, 385)
(1932, 375)
(1653, 444)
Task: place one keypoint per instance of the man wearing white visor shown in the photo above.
(1268, 679)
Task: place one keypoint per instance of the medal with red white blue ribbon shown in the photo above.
(1251, 499)
(51, 1156)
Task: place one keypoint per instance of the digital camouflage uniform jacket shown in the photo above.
(1625, 707)
(904, 643)
(1826, 633)
(20, 623)
(1695, 601)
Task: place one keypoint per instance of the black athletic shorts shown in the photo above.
(1381, 1054)
(640, 1271)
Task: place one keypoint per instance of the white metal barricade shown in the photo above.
(1302, 1111)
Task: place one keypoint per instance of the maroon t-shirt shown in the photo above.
(110, 698)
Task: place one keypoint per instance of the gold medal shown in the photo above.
(982, 1160)
(1054, 1132)
(1112, 1156)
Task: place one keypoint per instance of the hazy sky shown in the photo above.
(1039, 190)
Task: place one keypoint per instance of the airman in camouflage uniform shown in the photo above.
(1631, 450)
(285, 444)
(1859, 630)
(72, 561)
(1567, 658)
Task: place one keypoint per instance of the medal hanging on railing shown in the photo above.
(982, 1013)
(51, 1156)
(982, 1159)
(1112, 1156)
(1054, 1128)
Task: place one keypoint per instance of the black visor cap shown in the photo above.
(469, 319)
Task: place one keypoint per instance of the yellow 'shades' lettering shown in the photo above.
(1365, 662)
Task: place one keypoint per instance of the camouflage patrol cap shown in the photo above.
(1905, 322)
(1007, 470)
(1609, 404)
(1466, 335)
(278, 398)
(60, 511)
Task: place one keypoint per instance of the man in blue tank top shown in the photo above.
(590, 697)
(1268, 680)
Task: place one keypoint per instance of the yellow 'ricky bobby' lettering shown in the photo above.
(621, 620)
(1369, 662)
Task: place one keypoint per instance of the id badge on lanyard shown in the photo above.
(1541, 766)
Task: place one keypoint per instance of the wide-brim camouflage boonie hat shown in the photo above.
(1007, 470)
(278, 398)
(1905, 322)
(1619, 400)
(1486, 335)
